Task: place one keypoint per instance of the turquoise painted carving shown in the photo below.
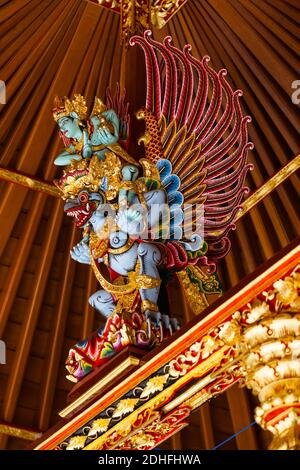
(144, 221)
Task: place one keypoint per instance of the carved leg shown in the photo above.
(103, 302)
(150, 256)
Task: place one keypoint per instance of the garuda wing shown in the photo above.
(197, 136)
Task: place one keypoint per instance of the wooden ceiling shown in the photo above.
(58, 47)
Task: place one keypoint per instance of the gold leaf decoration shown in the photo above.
(154, 384)
(125, 406)
(287, 290)
(142, 439)
(76, 443)
(210, 345)
(230, 332)
(99, 425)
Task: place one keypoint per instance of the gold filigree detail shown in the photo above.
(135, 281)
(163, 10)
(287, 290)
(125, 406)
(142, 439)
(149, 169)
(157, 431)
(154, 384)
(257, 311)
(89, 174)
(76, 443)
(99, 425)
(196, 299)
(65, 106)
(148, 305)
(270, 361)
(155, 402)
(99, 244)
(138, 15)
(210, 345)
(95, 390)
(230, 332)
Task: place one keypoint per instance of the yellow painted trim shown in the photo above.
(198, 371)
(129, 361)
(28, 182)
(21, 433)
(183, 342)
(269, 186)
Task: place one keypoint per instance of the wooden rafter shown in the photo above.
(56, 339)
(21, 432)
(255, 198)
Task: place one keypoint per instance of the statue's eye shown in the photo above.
(83, 197)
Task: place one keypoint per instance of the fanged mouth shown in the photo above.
(81, 214)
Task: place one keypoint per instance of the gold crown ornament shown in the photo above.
(65, 106)
(92, 174)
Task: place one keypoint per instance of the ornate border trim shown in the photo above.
(179, 346)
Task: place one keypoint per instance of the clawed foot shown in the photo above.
(175, 324)
(163, 321)
(170, 323)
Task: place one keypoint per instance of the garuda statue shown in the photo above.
(167, 214)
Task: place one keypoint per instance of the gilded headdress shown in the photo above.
(92, 174)
(65, 106)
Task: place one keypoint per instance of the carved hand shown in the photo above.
(80, 253)
(106, 137)
(132, 220)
